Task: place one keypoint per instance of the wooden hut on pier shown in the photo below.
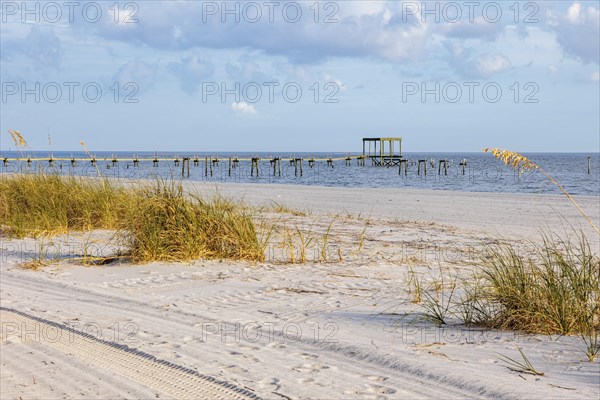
(382, 151)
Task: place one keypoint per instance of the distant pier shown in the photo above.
(376, 152)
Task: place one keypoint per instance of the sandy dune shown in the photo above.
(345, 328)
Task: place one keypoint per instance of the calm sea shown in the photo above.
(483, 173)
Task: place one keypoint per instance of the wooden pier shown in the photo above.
(210, 163)
(268, 166)
(383, 152)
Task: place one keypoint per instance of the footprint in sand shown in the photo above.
(277, 345)
(251, 358)
(248, 347)
(235, 369)
(310, 368)
(372, 392)
(146, 335)
(306, 356)
(379, 389)
(375, 378)
(268, 382)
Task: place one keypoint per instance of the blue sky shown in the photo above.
(301, 76)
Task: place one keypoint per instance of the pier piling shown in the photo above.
(405, 163)
(424, 162)
(186, 161)
(589, 162)
(253, 165)
(297, 166)
(445, 162)
(276, 162)
(463, 165)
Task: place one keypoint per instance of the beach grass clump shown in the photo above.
(165, 224)
(547, 287)
(155, 222)
(553, 290)
(48, 204)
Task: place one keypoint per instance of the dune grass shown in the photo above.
(44, 205)
(156, 222)
(166, 225)
(553, 290)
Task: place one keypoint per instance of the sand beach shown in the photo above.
(343, 324)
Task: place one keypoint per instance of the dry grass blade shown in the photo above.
(90, 156)
(524, 366)
(324, 253)
(17, 138)
(591, 340)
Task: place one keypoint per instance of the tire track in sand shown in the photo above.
(143, 368)
(400, 372)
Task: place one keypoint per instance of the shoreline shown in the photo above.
(431, 191)
(476, 210)
(177, 178)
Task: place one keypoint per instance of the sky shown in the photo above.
(446, 76)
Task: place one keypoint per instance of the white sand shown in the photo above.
(342, 329)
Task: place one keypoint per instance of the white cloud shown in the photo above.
(243, 108)
(596, 76)
(488, 64)
(364, 29)
(574, 13)
(328, 78)
(469, 65)
(578, 32)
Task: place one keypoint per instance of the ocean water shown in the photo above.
(483, 172)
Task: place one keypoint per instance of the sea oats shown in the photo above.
(521, 164)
